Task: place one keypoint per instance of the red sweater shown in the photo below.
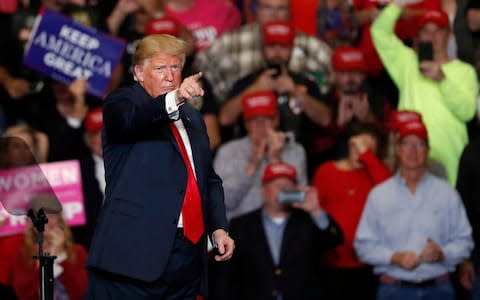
(74, 276)
(9, 248)
(343, 193)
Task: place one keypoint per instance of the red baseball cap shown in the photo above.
(94, 120)
(162, 25)
(348, 59)
(257, 104)
(278, 32)
(414, 127)
(438, 17)
(400, 117)
(277, 170)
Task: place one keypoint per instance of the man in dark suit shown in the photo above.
(162, 196)
(279, 245)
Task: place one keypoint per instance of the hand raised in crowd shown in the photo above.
(189, 88)
(128, 6)
(259, 149)
(431, 252)
(276, 141)
(270, 147)
(224, 244)
(358, 145)
(361, 107)
(310, 204)
(54, 241)
(284, 84)
(78, 90)
(345, 110)
(408, 260)
(17, 87)
(362, 143)
(432, 70)
(265, 81)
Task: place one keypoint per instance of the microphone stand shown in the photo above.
(46, 260)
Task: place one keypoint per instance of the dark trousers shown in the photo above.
(7, 293)
(354, 283)
(180, 280)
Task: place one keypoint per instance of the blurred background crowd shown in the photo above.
(329, 88)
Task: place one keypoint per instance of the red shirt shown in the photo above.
(74, 276)
(343, 193)
(9, 248)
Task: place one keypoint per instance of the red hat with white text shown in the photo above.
(94, 120)
(278, 170)
(348, 59)
(438, 17)
(278, 32)
(400, 117)
(414, 127)
(259, 104)
(162, 25)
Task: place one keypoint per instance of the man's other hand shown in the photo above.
(224, 244)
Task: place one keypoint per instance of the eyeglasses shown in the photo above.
(421, 145)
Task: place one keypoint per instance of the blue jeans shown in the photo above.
(439, 291)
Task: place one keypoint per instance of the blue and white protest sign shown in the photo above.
(65, 50)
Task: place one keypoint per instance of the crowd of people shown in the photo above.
(346, 135)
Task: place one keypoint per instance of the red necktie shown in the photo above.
(192, 203)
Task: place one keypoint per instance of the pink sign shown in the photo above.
(19, 185)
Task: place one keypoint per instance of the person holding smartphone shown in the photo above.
(264, 143)
(443, 90)
(279, 244)
(300, 103)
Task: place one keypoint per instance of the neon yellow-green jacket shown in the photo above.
(445, 106)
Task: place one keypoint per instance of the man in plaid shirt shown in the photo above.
(240, 52)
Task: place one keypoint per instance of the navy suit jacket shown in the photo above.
(146, 179)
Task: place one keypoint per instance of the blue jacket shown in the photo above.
(146, 179)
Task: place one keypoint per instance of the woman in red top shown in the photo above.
(20, 146)
(69, 268)
(343, 187)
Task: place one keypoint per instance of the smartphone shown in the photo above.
(291, 196)
(276, 67)
(381, 4)
(36, 86)
(425, 51)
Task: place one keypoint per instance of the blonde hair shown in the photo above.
(31, 236)
(153, 44)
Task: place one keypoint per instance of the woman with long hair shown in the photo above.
(69, 268)
(20, 146)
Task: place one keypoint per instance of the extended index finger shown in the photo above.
(197, 76)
